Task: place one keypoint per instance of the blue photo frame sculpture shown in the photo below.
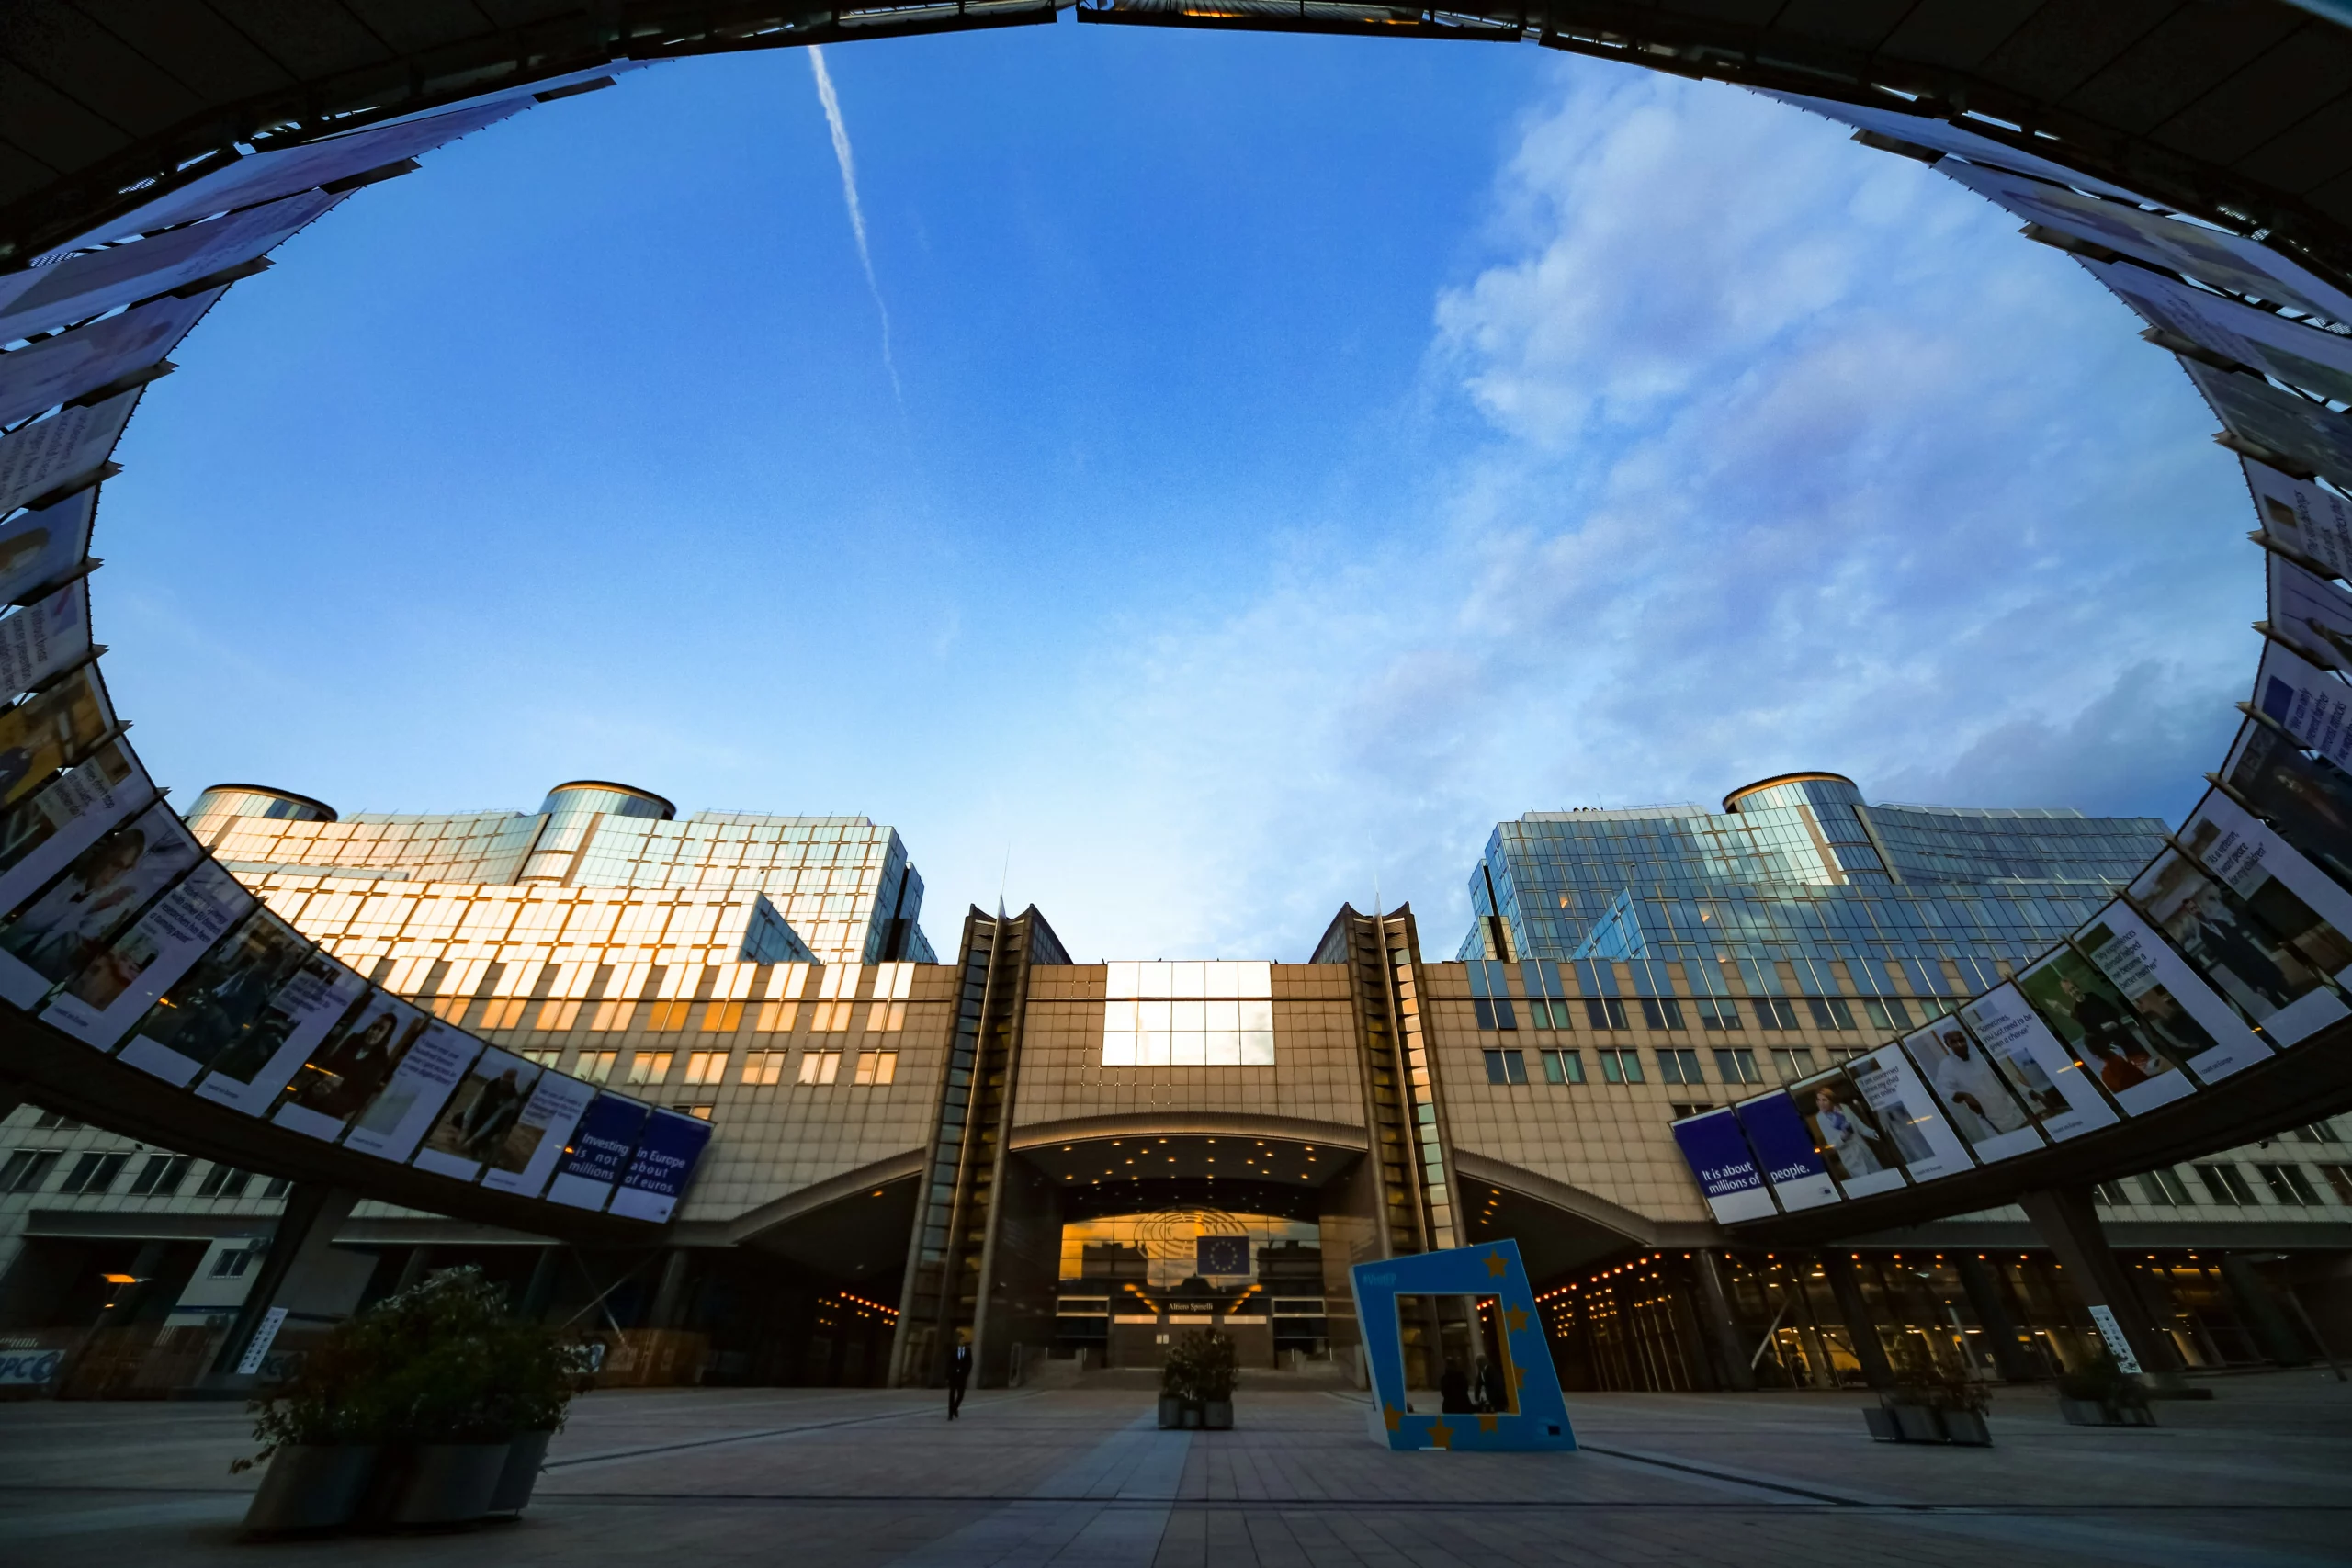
(1494, 1269)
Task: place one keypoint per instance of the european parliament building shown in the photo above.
(1073, 1163)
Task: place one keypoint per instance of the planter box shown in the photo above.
(1216, 1414)
(1918, 1424)
(2091, 1413)
(521, 1473)
(1880, 1422)
(1967, 1428)
(312, 1488)
(447, 1484)
(1171, 1412)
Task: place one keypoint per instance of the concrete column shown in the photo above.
(2069, 1227)
(669, 1295)
(297, 1246)
(1993, 1315)
(413, 1269)
(1839, 1268)
(540, 1295)
(1739, 1371)
(2272, 1332)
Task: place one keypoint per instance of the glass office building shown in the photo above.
(1799, 888)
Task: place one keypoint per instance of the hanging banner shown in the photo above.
(2225, 261)
(2302, 356)
(1783, 1146)
(251, 1070)
(662, 1165)
(71, 446)
(395, 1120)
(474, 1127)
(2046, 1079)
(44, 546)
(1718, 1154)
(115, 989)
(2185, 1018)
(81, 287)
(2262, 974)
(2101, 1029)
(1978, 1102)
(2307, 799)
(264, 177)
(60, 930)
(1893, 1090)
(360, 1056)
(2307, 611)
(41, 833)
(61, 368)
(2307, 702)
(211, 1005)
(49, 731)
(2313, 523)
(1856, 1150)
(528, 1157)
(2293, 427)
(598, 1151)
(42, 638)
(1942, 136)
(2285, 892)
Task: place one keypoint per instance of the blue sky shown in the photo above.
(1303, 453)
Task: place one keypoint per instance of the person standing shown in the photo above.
(959, 1377)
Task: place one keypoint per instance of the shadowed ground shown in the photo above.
(1079, 1478)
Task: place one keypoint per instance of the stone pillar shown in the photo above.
(2271, 1331)
(1992, 1317)
(1839, 1268)
(297, 1246)
(540, 1295)
(669, 1295)
(1723, 1329)
(2070, 1226)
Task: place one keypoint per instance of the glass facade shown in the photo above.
(1799, 888)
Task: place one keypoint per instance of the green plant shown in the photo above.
(1931, 1385)
(2101, 1381)
(1200, 1367)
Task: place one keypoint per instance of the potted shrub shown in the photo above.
(1177, 1399)
(1928, 1404)
(1216, 1368)
(2101, 1393)
(538, 1375)
(320, 1435)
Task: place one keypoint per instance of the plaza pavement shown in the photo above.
(1078, 1478)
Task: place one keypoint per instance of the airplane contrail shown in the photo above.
(848, 160)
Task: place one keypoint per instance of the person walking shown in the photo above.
(959, 1377)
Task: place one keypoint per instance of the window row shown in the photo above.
(1188, 1048)
(1732, 1065)
(157, 1176)
(759, 1067)
(616, 1015)
(1724, 1014)
(2224, 1183)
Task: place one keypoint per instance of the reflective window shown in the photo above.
(1621, 1067)
(649, 1067)
(762, 1066)
(1563, 1067)
(1189, 1015)
(1505, 1066)
(1678, 1066)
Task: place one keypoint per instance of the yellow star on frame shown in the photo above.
(1489, 1423)
(1395, 1417)
(1518, 1377)
(1518, 1319)
(1495, 1264)
(1441, 1434)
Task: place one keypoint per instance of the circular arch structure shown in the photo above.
(2197, 157)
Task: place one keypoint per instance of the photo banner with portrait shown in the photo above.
(2274, 983)
(2306, 799)
(394, 1122)
(333, 1083)
(2306, 701)
(1783, 1148)
(83, 286)
(115, 989)
(72, 365)
(2225, 261)
(2285, 892)
(660, 1166)
(44, 638)
(1896, 1095)
(2045, 1075)
(1977, 1100)
(56, 932)
(210, 1005)
(45, 546)
(42, 832)
(528, 1157)
(2293, 428)
(598, 1151)
(2094, 1017)
(2186, 1017)
(2310, 613)
(2302, 356)
(256, 1064)
(68, 448)
(1858, 1153)
(53, 729)
(2301, 516)
(483, 1113)
(1725, 1167)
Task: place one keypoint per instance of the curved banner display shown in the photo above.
(2049, 1080)
(61, 368)
(1978, 1102)
(1891, 1086)
(1719, 1157)
(2266, 976)
(2306, 798)
(598, 1151)
(2299, 516)
(2305, 701)
(485, 1108)
(53, 729)
(394, 1122)
(661, 1165)
(525, 1161)
(2138, 1065)
(45, 546)
(2294, 427)
(2308, 610)
(41, 833)
(2225, 261)
(56, 933)
(258, 1061)
(2299, 356)
(2180, 1014)
(1783, 1146)
(1859, 1153)
(44, 639)
(2282, 889)
(67, 448)
(115, 989)
(335, 1082)
(192, 1022)
(1942, 136)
